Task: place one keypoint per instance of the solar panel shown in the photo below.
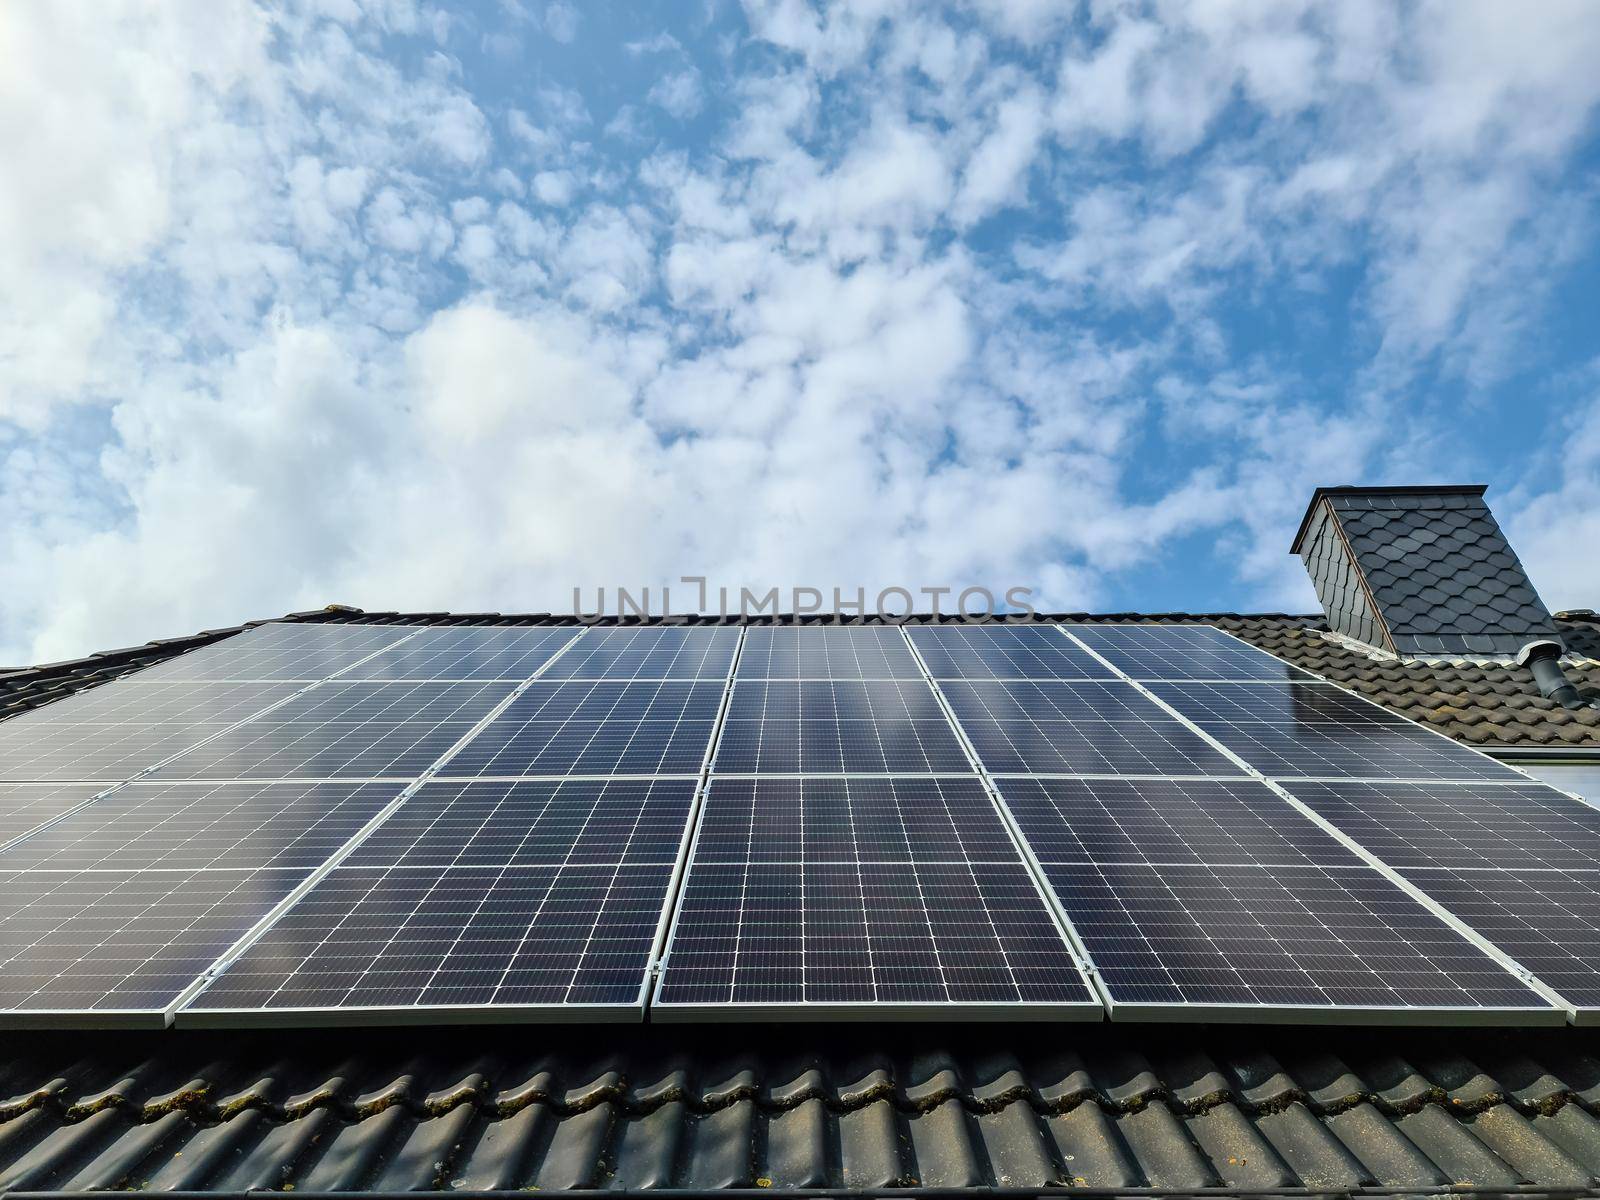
(862, 897)
(597, 727)
(478, 652)
(1525, 826)
(529, 823)
(317, 635)
(189, 826)
(119, 729)
(1198, 942)
(25, 806)
(489, 900)
(843, 726)
(1548, 921)
(1520, 863)
(1003, 652)
(119, 947)
(447, 943)
(1077, 728)
(834, 820)
(1167, 652)
(136, 699)
(281, 651)
(843, 652)
(1183, 821)
(355, 730)
(1312, 730)
(649, 652)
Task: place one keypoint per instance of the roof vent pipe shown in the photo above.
(1543, 658)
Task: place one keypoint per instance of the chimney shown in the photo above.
(1420, 572)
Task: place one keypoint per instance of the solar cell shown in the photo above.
(597, 727)
(355, 730)
(843, 726)
(1311, 730)
(1077, 728)
(534, 823)
(281, 651)
(1252, 943)
(119, 947)
(190, 826)
(862, 896)
(1235, 822)
(1003, 652)
(1525, 826)
(115, 731)
(25, 806)
(1548, 921)
(649, 652)
(1152, 652)
(843, 652)
(477, 652)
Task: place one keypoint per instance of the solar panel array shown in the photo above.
(328, 823)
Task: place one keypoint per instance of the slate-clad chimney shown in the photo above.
(1419, 571)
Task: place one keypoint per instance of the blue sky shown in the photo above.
(415, 306)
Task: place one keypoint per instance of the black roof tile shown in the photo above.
(807, 1107)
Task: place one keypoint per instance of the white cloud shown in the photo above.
(554, 187)
(996, 173)
(561, 21)
(1553, 519)
(939, 300)
(94, 102)
(678, 93)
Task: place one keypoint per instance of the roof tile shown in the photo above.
(1112, 1106)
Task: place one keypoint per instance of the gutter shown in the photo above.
(1554, 754)
(1223, 1192)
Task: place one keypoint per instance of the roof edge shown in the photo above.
(1352, 489)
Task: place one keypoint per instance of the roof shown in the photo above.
(914, 1107)
(1220, 1110)
(1430, 489)
(1492, 705)
(1420, 571)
